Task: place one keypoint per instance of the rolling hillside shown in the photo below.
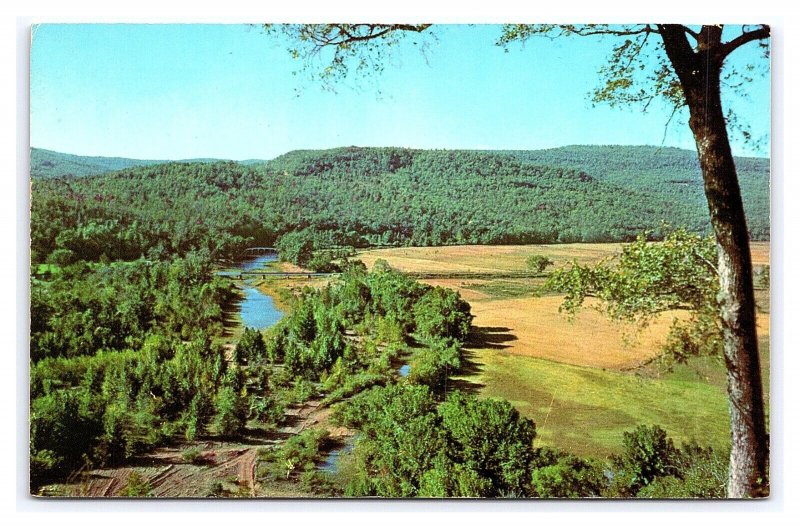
(51, 164)
(360, 197)
(667, 172)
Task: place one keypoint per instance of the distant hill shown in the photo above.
(51, 164)
(667, 172)
(379, 196)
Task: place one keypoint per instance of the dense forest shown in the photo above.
(114, 376)
(665, 172)
(369, 196)
(51, 164)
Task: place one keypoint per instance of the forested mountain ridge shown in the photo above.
(51, 164)
(667, 172)
(349, 196)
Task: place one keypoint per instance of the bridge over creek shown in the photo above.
(417, 275)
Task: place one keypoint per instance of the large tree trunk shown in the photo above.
(699, 74)
(749, 448)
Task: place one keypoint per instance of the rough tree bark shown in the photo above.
(699, 74)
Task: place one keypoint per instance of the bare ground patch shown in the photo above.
(225, 464)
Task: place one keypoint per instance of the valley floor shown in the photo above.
(582, 380)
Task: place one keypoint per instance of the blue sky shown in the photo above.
(233, 92)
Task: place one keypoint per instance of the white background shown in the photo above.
(20, 510)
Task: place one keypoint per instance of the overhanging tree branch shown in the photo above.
(747, 36)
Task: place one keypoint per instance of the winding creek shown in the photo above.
(257, 309)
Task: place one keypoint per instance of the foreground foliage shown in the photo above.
(649, 279)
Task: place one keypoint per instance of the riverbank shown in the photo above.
(283, 290)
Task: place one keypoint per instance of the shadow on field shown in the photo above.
(480, 337)
(491, 337)
(469, 368)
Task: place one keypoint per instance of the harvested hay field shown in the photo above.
(445, 259)
(533, 325)
(537, 329)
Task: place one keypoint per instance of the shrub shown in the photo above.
(432, 365)
(647, 454)
(702, 473)
(538, 263)
(251, 347)
(266, 409)
(193, 455)
(490, 438)
(442, 314)
(137, 486)
(302, 391)
(322, 262)
(231, 411)
(568, 477)
(298, 454)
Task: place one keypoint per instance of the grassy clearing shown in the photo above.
(586, 410)
(506, 289)
(712, 370)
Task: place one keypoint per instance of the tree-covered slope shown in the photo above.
(50, 164)
(352, 196)
(667, 172)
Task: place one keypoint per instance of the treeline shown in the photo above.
(346, 197)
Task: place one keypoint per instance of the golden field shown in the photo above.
(577, 379)
(534, 325)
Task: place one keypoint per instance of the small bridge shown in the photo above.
(259, 251)
(285, 274)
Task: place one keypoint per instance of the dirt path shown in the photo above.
(230, 465)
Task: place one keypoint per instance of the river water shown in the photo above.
(257, 310)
